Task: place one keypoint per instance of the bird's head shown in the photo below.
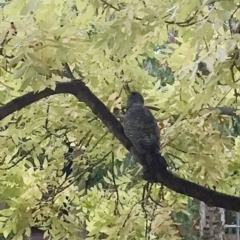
(134, 98)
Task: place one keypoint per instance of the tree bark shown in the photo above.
(212, 222)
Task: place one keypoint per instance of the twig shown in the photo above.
(61, 189)
(110, 5)
(68, 71)
(116, 187)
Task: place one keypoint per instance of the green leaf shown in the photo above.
(224, 14)
(21, 72)
(6, 212)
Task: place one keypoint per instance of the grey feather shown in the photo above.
(142, 130)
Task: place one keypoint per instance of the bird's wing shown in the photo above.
(142, 130)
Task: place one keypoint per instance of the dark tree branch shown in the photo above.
(225, 111)
(228, 111)
(29, 98)
(110, 5)
(83, 94)
(210, 197)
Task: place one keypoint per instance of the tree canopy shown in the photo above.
(66, 67)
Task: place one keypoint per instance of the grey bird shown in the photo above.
(141, 128)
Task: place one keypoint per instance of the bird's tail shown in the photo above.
(154, 164)
(156, 161)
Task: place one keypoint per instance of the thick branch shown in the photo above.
(210, 197)
(83, 94)
(29, 98)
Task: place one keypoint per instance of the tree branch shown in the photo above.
(83, 94)
(228, 111)
(225, 111)
(29, 98)
(210, 197)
